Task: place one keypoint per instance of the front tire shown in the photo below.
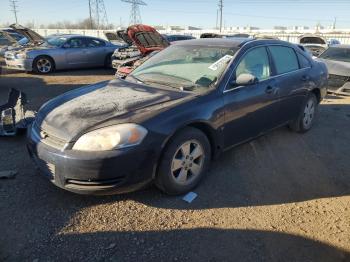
(307, 115)
(184, 162)
(43, 65)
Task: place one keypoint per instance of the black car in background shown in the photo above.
(337, 59)
(173, 114)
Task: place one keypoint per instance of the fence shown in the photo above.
(344, 38)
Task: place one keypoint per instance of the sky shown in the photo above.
(202, 13)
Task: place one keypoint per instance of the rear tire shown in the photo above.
(184, 162)
(43, 65)
(307, 115)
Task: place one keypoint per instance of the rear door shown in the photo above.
(250, 110)
(292, 80)
(76, 52)
(96, 51)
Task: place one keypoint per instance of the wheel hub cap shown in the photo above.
(309, 113)
(187, 162)
(44, 65)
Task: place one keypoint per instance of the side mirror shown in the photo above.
(246, 79)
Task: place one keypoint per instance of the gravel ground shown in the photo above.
(282, 197)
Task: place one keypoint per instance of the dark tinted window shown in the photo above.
(285, 59)
(93, 42)
(337, 54)
(255, 62)
(304, 62)
(4, 41)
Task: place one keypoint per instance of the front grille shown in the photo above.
(337, 81)
(100, 184)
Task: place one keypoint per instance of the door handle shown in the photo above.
(269, 89)
(305, 78)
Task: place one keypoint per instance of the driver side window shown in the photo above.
(255, 62)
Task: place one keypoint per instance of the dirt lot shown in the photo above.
(283, 197)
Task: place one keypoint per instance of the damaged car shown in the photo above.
(314, 43)
(143, 40)
(44, 56)
(337, 59)
(172, 115)
(9, 40)
(14, 115)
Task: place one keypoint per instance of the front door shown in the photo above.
(76, 52)
(250, 109)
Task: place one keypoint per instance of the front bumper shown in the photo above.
(98, 173)
(19, 64)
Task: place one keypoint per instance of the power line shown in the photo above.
(14, 6)
(98, 14)
(135, 16)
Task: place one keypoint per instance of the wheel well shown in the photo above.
(317, 93)
(36, 58)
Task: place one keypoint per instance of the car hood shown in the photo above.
(77, 111)
(32, 36)
(120, 37)
(146, 38)
(337, 67)
(7, 36)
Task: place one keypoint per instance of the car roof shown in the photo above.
(230, 42)
(72, 35)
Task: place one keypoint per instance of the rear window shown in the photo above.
(149, 39)
(304, 62)
(285, 59)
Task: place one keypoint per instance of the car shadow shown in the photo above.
(200, 244)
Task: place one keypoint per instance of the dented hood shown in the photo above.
(32, 36)
(146, 38)
(339, 68)
(77, 111)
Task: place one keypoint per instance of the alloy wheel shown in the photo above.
(309, 113)
(44, 65)
(187, 162)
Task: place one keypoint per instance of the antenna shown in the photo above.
(14, 6)
(98, 14)
(135, 16)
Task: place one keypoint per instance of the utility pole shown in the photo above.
(221, 6)
(13, 5)
(135, 16)
(217, 19)
(334, 23)
(91, 22)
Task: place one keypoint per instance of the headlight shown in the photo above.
(21, 56)
(112, 137)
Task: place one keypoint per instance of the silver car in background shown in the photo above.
(64, 51)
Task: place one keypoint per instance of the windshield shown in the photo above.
(337, 54)
(56, 41)
(185, 66)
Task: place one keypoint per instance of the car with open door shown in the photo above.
(172, 115)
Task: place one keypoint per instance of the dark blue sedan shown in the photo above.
(172, 115)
